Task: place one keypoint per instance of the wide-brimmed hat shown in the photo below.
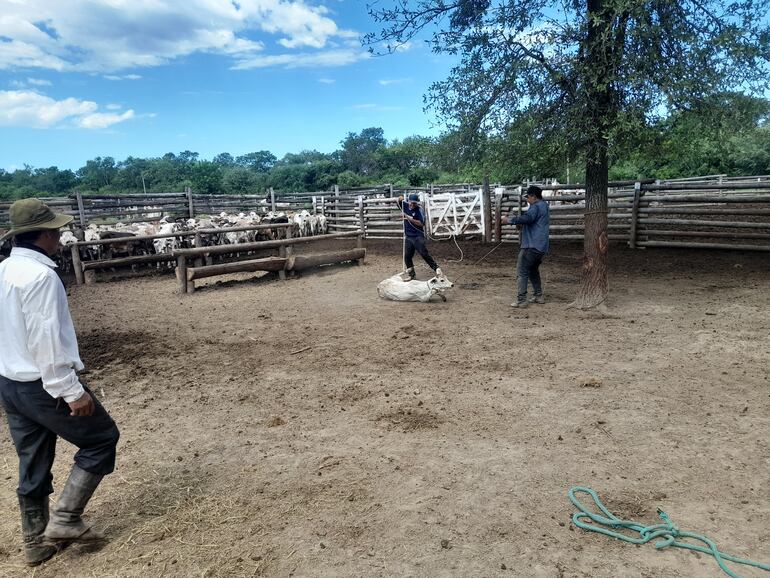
(33, 215)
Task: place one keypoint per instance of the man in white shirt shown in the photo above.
(40, 390)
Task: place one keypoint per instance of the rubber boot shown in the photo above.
(34, 518)
(65, 524)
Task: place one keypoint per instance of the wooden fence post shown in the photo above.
(77, 266)
(635, 215)
(190, 204)
(361, 221)
(498, 212)
(272, 199)
(315, 206)
(81, 210)
(181, 273)
(486, 210)
(336, 215)
(390, 191)
(360, 245)
(289, 249)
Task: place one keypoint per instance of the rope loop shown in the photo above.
(669, 533)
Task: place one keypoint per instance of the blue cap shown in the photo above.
(414, 198)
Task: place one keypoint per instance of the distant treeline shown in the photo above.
(728, 134)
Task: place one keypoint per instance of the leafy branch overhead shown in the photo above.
(517, 56)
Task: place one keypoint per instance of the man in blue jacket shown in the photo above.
(414, 225)
(534, 226)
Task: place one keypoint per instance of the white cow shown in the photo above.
(396, 289)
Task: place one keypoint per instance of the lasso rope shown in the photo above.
(668, 533)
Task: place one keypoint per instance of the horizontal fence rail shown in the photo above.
(713, 211)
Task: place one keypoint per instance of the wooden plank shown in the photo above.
(302, 262)
(244, 247)
(81, 210)
(635, 215)
(77, 265)
(720, 246)
(252, 265)
(704, 224)
(181, 273)
(135, 260)
(712, 234)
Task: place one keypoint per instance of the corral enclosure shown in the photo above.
(307, 428)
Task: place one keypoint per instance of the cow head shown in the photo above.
(440, 284)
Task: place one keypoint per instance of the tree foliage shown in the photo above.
(727, 134)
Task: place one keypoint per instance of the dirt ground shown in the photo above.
(308, 428)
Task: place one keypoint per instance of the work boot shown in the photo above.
(439, 272)
(520, 304)
(66, 524)
(539, 299)
(34, 517)
(408, 275)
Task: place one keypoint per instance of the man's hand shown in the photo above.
(83, 406)
(400, 198)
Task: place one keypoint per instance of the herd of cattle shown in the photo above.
(214, 231)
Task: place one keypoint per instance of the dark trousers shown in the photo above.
(35, 419)
(417, 244)
(528, 269)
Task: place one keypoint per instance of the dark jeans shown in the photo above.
(35, 419)
(528, 269)
(417, 244)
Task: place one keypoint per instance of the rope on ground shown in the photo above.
(668, 532)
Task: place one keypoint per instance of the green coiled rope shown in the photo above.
(667, 532)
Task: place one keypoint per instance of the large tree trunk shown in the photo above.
(598, 67)
(594, 286)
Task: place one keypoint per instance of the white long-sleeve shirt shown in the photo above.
(37, 337)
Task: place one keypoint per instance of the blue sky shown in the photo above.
(87, 78)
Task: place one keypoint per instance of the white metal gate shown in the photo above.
(455, 213)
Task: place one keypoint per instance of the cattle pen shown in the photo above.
(285, 261)
(82, 268)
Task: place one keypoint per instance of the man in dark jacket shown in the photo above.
(534, 226)
(40, 390)
(414, 232)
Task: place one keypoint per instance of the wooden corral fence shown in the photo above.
(202, 267)
(101, 209)
(712, 211)
(85, 271)
(374, 210)
(707, 215)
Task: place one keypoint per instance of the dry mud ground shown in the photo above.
(307, 428)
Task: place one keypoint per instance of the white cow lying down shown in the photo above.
(396, 289)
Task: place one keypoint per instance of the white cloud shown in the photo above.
(103, 119)
(109, 36)
(122, 77)
(327, 80)
(31, 109)
(326, 58)
(389, 81)
(38, 82)
(113, 107)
